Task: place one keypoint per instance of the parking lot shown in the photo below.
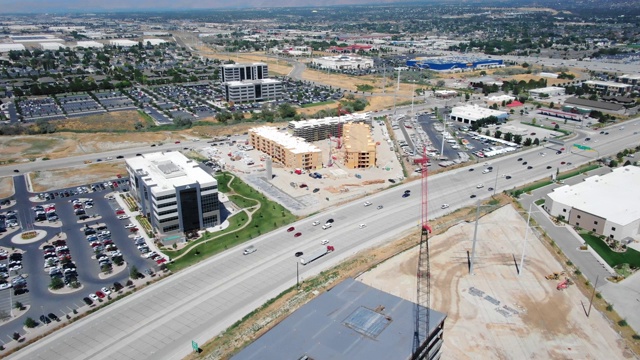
(86, 244)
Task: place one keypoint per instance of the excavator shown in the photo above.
(555, 275)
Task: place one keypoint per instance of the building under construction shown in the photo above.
(351, 321)
(359, 147)
(321, 129)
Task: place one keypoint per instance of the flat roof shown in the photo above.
(594, 104)
(547, 89)
(294, 144)
(607, 83)
(167, 170)
(240, 65)
(252, 82)
(357, 138)
(614, 196)
(350, 321)
(329, 120)
(475, 112)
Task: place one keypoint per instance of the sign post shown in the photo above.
(194, 346)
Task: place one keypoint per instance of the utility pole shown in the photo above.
(524, 246)
(475, 239)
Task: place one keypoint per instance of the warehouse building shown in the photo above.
(605, 204)
(343, 62)
(469, 114)
(89, 45)
(351, 321)
(585, 104)
(454, 63)
(123, 43)
(173, 192)
(547, 92)
(321, 129)
(252, 90)
(359, 147)
(244, 71)
(5, 48)
(52, 46)
(292, 152)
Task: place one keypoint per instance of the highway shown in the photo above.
(160, 321)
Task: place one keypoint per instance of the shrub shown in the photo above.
(609, 307)
(30, 323)
(622, 322)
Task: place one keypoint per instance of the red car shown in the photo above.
(134, 229)
(290, 229)
(100, 294)
(119, 212)
(161, 260)
(119, 176)
(297, 234)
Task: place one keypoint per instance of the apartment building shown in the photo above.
(321, 129)
(292, 152)
(359, 147)
(173, 192)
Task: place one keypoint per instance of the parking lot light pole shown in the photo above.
(475, 238)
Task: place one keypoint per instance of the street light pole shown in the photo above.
(524, 246)
(475, 239)
(297, 274)
(495, 185)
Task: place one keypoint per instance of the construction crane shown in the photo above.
(423, 276)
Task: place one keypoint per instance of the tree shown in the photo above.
(56, 283)
(467, 97)
(613, 163)
(30, 323)
(286, 111)
(527, 142)
(508, 136)
(18, 305)
(517, 138)
(536, 142)
(133, 273)
(497, 134)
(557, 127)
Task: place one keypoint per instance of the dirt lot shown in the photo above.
(6, 187)
(75, 176)
(539, 322)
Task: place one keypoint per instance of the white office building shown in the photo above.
(547, 92)
(173, 192)
(605, 204)
(252, 90)
(244, 71)
(469, 114)
(343, 62)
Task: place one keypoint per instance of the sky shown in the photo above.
(44, 6)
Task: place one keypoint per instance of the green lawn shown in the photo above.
(631, 256)
(317, 104)
(268, 217)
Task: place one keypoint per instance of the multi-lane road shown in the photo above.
(160, 321)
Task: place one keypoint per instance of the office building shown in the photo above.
(252, 90)
(173, 192)
(292, 152)
(244, 71)
(359, 147)
(547, 92)
(608, 87)
(468, 114)
(343, 62)
(351, 321)
(605, 204)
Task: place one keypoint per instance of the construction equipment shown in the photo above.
(421, 326)
(564, 284)
(555, 276)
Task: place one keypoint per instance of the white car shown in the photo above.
(479, 186)
(362, 226)
(106, 290)
(123, 217)
(324, 242)
(5, 286)
(149, 254)
(93, 297)
(129, 226)
(444, 206)
(367, 203)
(316, 223)
(326, 226)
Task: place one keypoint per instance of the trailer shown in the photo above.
(316, 254)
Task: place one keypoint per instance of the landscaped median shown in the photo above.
(542, 183)
(259, 216)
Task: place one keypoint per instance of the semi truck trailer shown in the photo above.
(316, 254)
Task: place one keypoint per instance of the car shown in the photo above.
(529, 167)
(316, 190)
(472, 196)
(315, 223)
(100, 294)
(94, 297)
(405, 195)
(123, 217)
(106, 290)
(327, 226)
(324, 242)
(329, 221)
(471, 169)
(562, 162)
(380, 207)
(558, 152)
(119, 157)
(508, 177)
(479, 186)
(299, 253)
(44, 319)
(362, 226)
(606, 133)
(549, 167)
(524, 163)
(367, 203)
(444, 206)
(569, 163)
(16, 170)
(129, 226)
(291, 229)
(587, 139)
(83, 217)
(297, 234)
(5, 286)
(88, 301)
(392, 181)
(138, 154)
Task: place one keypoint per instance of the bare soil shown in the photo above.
(6, 187)
(75, 176)
(533, 320)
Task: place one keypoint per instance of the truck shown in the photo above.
(316, 254)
